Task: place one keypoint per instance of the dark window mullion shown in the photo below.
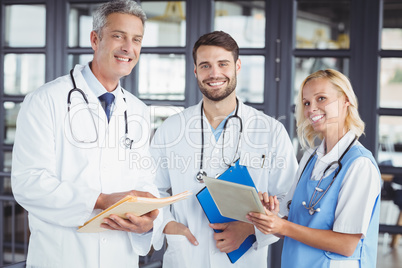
(2, 110)
(390, 53)
(24, 50)
(389, 111)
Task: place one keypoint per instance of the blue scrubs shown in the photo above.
(218, 131)
(297, 254)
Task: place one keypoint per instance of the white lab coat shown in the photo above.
(176, 145)
(58, 180)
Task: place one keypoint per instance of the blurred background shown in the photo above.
(281, 42)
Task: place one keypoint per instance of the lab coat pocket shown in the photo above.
(254, 159)
(178, 252)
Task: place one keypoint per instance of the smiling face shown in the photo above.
(216, 72)
(325, 107)
(117, 48)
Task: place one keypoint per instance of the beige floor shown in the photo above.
(387, 257)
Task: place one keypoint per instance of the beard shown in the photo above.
(219, 94)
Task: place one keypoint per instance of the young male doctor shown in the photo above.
(71, 156)
(197, 141)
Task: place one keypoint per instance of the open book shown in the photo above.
(130, 204)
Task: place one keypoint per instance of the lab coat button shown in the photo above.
(103, 240)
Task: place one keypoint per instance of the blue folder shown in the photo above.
(236, 174)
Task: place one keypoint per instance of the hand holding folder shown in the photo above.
(130, 204)
(237, 174)
(234, 200)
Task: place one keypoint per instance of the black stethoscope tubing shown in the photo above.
(334, 162)
(127, 141)
(311, 207)
(202, 172)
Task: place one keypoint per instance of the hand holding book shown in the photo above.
(130, 204)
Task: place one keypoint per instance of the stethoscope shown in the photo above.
(317, 189)
(127, 142)
(202, 172)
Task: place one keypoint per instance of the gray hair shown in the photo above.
(119, 6)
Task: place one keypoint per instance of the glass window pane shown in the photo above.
(161, 77)
(5, 183)
(160, 113)
(7, 164)
(13, 229)
(306, 66)
(323, 24)
(391, 35)
(166, 24)
(23, 73)
(82, 59)
(390, 139)
(10, 119)
(243, 20)
(250, 82)
(25, 25)
(80, 24)
(391, 83)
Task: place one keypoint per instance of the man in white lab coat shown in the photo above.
(204, 139)
(72, 158)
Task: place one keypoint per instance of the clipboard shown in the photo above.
(237, 174)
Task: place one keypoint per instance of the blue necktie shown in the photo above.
(107, 100)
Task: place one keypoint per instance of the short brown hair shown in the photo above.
(219, 39)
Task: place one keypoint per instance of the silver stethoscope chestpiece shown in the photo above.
(201, 173)
(199, 176)
(128, 142)
(313, 203)
(310, 209)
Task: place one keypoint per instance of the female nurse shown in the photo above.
(333, 216)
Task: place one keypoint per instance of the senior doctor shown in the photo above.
(197, 141)
(70, 161)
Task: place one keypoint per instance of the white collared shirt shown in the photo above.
(97, 88)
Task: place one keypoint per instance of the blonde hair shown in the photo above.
(353, 122)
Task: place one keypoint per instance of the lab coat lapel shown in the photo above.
(228, 142)
(120, 105)
(95, 106)
(209, 138)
